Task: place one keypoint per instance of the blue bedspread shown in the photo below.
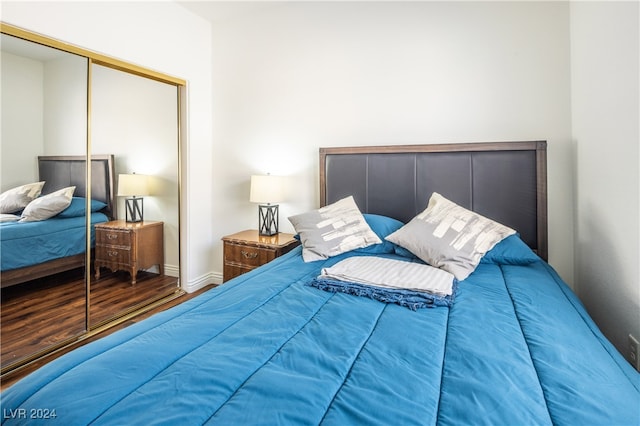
(31, 243)
(515, 348)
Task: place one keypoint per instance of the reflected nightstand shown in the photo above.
(129, 246)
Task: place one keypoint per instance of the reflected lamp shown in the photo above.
(266, 190)
(133, 187)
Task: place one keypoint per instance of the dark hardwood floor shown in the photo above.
(47, 313)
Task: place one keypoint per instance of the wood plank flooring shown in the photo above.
(39, 314)
(49, 312)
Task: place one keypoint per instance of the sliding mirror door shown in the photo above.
(135, 119)
(67, 272)
(44, 115)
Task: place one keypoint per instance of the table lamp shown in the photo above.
(265, 190)
(133, 186)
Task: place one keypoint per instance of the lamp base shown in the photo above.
(268, 219)
(134, 209)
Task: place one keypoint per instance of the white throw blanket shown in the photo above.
(391, 273)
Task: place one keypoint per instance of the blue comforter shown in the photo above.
(32, 243)
(516, 347)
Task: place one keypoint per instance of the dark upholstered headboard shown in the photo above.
(505, 181)
(61, 171)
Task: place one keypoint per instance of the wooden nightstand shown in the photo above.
(129, 246)
(247, 250)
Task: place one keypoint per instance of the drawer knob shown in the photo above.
(112, 253)
(112, 236)
(248, 255)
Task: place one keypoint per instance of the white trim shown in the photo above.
(202, 281)
(171, 270)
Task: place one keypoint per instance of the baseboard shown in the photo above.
(202, 281)
(171, 270)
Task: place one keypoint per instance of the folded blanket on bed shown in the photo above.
(408, 284)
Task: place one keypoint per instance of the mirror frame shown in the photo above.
(117, 64)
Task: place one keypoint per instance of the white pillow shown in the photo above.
(332, 230)
(16, 199)
(48, 205)
(450, 237)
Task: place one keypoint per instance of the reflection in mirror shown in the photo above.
(44, 113)
(135, 119)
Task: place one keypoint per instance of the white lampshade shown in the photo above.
(266, 189)
(132, 185)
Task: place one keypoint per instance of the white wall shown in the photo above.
(44, 110)
(65, 106)
(303, 75)
(165, 37)
(606, 129)
(22, 120)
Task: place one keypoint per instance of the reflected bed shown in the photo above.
(32, 243)
(36, 249)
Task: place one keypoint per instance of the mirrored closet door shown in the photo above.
(135, 119)
(44, 114)
(98, 241)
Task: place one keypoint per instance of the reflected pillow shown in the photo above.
(333, 230)
(18, 198)
(48, 205)
(77, 207)
(450, 237)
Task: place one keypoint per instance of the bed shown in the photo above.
(36, 249)
(515, 346)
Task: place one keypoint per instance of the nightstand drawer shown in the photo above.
(234, 270)
(113, 237)
(246, 250)
(116, 255)
(248, 256)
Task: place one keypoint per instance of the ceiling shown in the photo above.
(217, 11)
